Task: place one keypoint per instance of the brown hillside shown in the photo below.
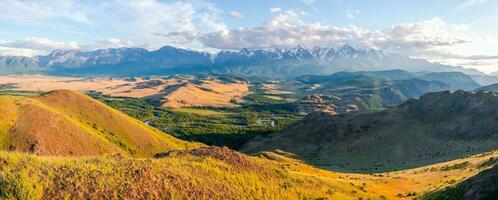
(63, 122)
(435, 128)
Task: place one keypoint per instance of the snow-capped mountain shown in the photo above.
(274, 62)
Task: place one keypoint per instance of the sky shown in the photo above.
(457, 32)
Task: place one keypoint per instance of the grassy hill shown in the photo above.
(214, 173)
(437, 127)
(66, 123)
(199, 174)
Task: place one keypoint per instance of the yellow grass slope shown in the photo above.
(208, 93)
(214, 173)
(66, 123)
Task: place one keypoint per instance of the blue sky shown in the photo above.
(377, 14)
(459, 32)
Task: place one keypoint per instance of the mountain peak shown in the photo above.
(60, 52)
(247, 52)
(299, 46)
(300, 52)
(168, 49)
(347, 49)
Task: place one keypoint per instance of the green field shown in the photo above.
(19, 93)
(231, 127)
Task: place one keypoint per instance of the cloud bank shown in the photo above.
(139, 22)
(288, 30)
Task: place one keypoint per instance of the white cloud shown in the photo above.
(180, 37)
(235, 14)
(134, 20)
(34, 12)
(41, 46)
(282, 30)
(470, 3)
(106, 43)
(351, 14)
(288, 29)
(18, 52)
(418, 38)
(275, 10)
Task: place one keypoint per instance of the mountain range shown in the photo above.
(276, 63)
(367, 90)
(452, 80)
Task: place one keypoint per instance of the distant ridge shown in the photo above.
(277, 63)
(489, 88)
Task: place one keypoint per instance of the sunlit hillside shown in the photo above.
(63, 122)
(203, 173)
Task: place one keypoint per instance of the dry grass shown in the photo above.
(68, 123)
(208, 93)
(116, 87)
(205, 174)
(49, 83)
(404, 184)
(212, 173)
(199, 111)
(274, 88)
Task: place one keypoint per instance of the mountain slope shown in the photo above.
(371, 90)
(437, 127)
(485, 79)
(68, 123)
(483, 186)
(456, 80)
(18, 64)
